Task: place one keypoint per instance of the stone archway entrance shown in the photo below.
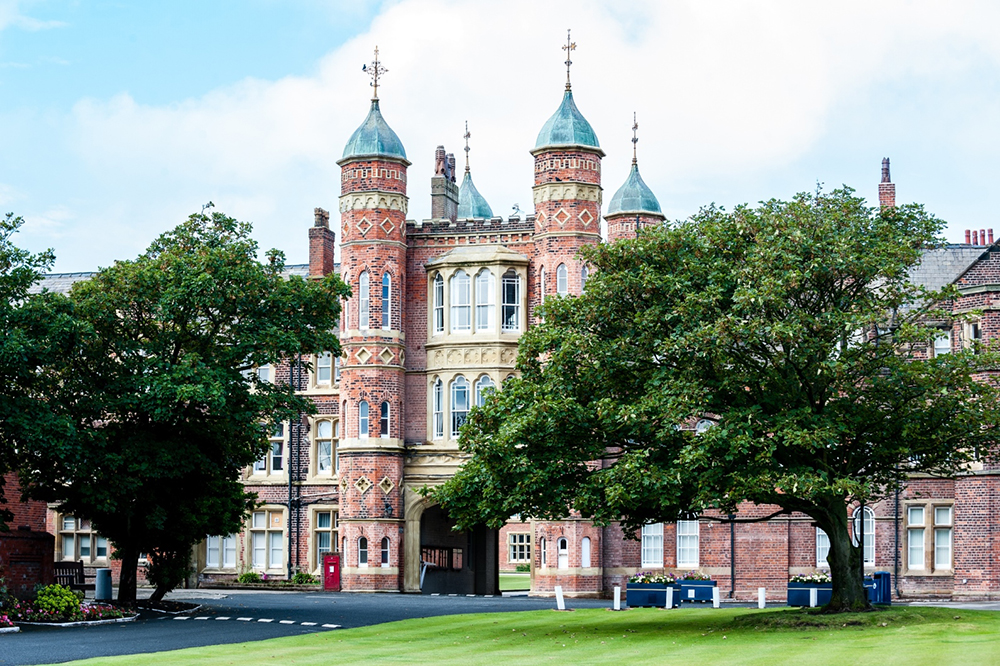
(457, 562)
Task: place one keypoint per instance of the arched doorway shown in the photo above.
(456, 562)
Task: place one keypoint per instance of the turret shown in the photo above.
(634, 206)
(373, 207)
(567, 196)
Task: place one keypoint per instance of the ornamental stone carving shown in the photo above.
(373, 200)
(564, 191)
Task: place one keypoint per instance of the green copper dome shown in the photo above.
(567, 127)
(374, 138)
(471, 203)
(634, 197)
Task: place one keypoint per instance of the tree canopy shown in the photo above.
(158, 411)
(791, 326)
(37, 329)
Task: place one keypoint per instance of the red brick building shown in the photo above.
(437, 309)
(26, 550)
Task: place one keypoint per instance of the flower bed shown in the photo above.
(5, 621)
(27, 611)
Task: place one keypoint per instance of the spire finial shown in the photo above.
(635, 136)
(570, 46)
(374, 70)
(466, 137)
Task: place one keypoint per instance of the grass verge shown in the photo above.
(638, 636)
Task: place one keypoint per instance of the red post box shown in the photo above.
(331, 572)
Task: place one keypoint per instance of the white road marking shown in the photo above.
(266, 619)
(223, 617)
(308, 624)
(286, 621)
(203, 617)
(182, 617)
(331, 626)
(245, 619)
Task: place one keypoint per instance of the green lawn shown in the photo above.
(515, 581)
(639, 636)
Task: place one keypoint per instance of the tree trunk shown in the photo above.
(845, 562)
(159, 592)
(129, 556)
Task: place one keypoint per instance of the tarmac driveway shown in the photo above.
(237, 616)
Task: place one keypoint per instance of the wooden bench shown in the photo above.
(71, 575)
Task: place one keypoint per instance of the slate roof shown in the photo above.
(942, 266)
(60, 283)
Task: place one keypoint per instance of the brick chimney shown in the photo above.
(444, 192)
(886, 190)
(322, 242)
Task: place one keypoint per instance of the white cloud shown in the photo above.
(11, 15)
(725, 92)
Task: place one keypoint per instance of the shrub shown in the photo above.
(302, 578)
(522, 568)
(248, 577)
(58, 600)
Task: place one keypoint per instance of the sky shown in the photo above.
(119, 119)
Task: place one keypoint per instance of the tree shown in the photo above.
(161, 417)
(791, 326)
(37, 328)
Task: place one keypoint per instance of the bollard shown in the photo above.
(560, 602)
(102, 585)
(618, 597)
(813, 594)
(761, 597)
(670, 597)
(715, 597)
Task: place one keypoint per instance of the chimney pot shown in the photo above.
(990, 232)
(975, 237)
(982, 236)
(968, 237)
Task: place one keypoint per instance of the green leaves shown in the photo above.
(791, 324)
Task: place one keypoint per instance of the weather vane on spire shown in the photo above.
(466, 137)
(374, 70)
(635, 136)
(570, 46)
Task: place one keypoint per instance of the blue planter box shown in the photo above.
(696, 590)
(798, 593)
(645, 595)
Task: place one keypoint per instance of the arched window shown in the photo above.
(562, 280)
(585, 552)
(459, 403)
(362, 552)
(510, 316)
(562, 549)
(324, 448)
(363, 419)
(438, 409)
(869, 529)
(483, 386)
(383, 425)
(438, 304)
(543, 556)
(461, 302)
(485, 300)
(584, 273)
(363, 294)
(385, 551)
(386, 300)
